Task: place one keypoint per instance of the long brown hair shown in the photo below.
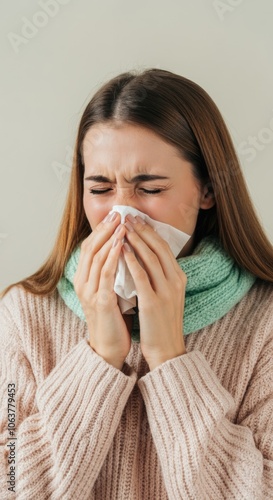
(184, 115)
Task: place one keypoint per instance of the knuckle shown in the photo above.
(183, 277)
(141, 227)
(97, 259)
(178, 285)
(165, 296)
(76, 288)
(98, 228)
(81, 292)
(165, 245)
(106, 272)
(140, 274)
(180, 282)
(153, 258)
(103, 297)
(85, 245)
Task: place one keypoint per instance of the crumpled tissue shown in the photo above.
(124, 285)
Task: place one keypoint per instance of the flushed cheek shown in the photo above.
(188, 212)
(184, 212)
(179, 202)
(95, 212)
(189, 204)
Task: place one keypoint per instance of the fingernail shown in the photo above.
(139, 219)
(110, 217)
(116, 240)
(107, 218)
(127, 248)
(130, 218)
(113, 216)
(129, 226)
(118, 228)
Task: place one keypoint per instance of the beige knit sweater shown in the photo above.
(199, 426)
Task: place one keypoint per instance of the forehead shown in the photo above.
(126, 142)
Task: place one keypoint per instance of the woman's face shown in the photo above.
(119, 162)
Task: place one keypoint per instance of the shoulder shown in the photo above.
(25, 314)
(19, 303)
(21, 312)
(243, 331)
(41, 326)
(254, 313)
(260, 297)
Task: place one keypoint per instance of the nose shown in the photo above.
(126, 197)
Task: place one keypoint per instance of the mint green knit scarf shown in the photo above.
(215, 283)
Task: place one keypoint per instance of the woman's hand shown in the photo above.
(161, 293)
(94, 285)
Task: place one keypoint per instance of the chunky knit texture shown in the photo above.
(215, 283)
(198, 426)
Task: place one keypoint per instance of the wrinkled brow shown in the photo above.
(137, 178)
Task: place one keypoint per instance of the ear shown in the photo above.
(207, 197)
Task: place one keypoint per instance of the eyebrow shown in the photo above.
(137, 178)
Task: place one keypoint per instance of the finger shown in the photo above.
(148, 244)
(101, 282)
(108, 272)
(91, 245)
(139, 275)
(101, 258)
(148, 260)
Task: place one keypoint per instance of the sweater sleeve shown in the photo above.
(64, 426)
(202, 453)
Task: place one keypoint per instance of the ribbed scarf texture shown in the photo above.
(215, 283)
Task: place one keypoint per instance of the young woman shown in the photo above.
(175, 401)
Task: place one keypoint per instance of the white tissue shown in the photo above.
(124, 284)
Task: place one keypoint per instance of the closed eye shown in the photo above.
(151, 191)
(99, 191)
(147, 191)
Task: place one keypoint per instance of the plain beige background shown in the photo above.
(56, 53)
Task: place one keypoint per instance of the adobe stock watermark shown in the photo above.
(61, 169)
(31, 27)
(224, 7)
(152, 83)
(249, 148)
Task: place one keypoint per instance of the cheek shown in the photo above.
(190, 199)
(94, 211)
(154, 207)
(188, 208)
(184, 210)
